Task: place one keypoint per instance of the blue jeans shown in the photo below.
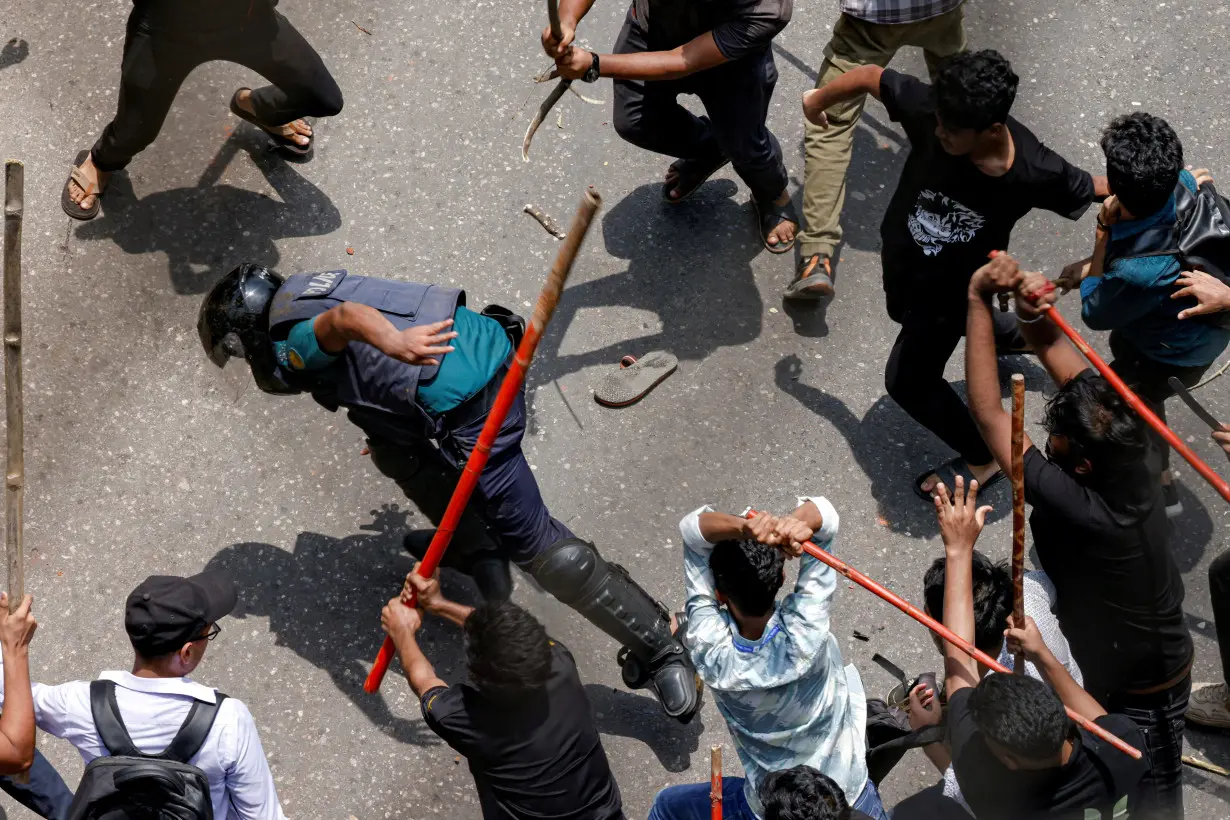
(47, 795)
(691, 802)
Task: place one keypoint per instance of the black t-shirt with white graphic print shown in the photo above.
(946, 215)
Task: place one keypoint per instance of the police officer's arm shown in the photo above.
(352, 322)
(400, 622)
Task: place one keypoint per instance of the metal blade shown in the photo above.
(1183, 393)
(892, 669)
(543, 110)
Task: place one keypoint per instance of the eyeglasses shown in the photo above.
(211, 634)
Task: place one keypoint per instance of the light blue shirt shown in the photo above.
(787, 698)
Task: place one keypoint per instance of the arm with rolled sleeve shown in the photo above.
(805, 611)
(249, 781)
(753, 28)
(707, 628)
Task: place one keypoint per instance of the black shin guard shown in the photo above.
(574, 572)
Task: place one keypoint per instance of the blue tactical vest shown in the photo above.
(378, 390)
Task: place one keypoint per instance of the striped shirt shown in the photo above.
(893, 12)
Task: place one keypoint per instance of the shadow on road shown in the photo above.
(891, 448)
(209, 228)
(323, 601)
(638, 717)
(690, 264)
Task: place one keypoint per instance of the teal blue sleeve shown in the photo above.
(301, 350)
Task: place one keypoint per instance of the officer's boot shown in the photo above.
(482, 561)
(574, 572)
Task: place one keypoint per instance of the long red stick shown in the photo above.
(948, 635)
(1139, 406)
(509, 389)
(1018, 511)
(715, 783)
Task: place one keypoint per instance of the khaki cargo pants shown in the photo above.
(857, 43)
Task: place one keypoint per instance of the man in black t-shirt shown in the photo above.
(972, 173)
(1099, 528)
(165, 41)
(523, 721)
(718, 50)
(1014, 750)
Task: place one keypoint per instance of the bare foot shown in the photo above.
(96, 185)
(784, 232)
(982, 472)
(299, 130)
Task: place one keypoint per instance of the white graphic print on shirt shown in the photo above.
(938, 220)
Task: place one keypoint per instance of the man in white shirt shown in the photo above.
(170, 622)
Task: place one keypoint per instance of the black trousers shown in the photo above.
(158, 60)
(1160, 716)
(914, 377)
(736, 98)
(1149, 379)
(1219, 592)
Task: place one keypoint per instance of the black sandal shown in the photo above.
(284, 143)
(770, 215)
(690, 174)
(948, 473)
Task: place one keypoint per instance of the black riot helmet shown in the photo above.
(234, 323)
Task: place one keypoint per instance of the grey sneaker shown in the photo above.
(1208, 705)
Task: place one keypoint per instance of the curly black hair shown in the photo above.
(1143, 159)
(748, 573)
(508, 650)
(1097, 423)
(1021, 714)
(975, 89)
(992, 599)
(802, 793)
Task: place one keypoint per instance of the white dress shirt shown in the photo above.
(153, 709)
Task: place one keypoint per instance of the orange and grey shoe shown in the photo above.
(813, 280)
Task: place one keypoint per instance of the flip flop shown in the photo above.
(769, 215)
(690, 174)
(78, 176)
(284, 143)
(948, 473)
(634, 378)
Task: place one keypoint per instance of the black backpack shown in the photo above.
(1199, 239)
(131, 785)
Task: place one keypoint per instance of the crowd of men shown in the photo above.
(417, 370)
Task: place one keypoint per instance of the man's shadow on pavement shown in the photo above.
(323, 602)
(625, 714)
(207, 229)
(689, 263)
(891, 448)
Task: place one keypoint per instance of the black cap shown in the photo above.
(166, 611)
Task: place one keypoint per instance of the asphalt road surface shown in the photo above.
(142, 459)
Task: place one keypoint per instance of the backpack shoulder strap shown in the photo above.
(107, 720)
(195, 729)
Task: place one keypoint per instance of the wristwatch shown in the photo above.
(591, 75)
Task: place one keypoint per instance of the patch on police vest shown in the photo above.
(322, 284)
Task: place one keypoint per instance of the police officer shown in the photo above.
(412, 366)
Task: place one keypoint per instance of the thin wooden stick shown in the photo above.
(510, 388)
(15, 470)
(1018, 512)
(15, 463)
(715, 783)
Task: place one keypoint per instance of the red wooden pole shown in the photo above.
(948, 635)
(1206, 472)
(1018, 511)
(511, 386)
(715, 783)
